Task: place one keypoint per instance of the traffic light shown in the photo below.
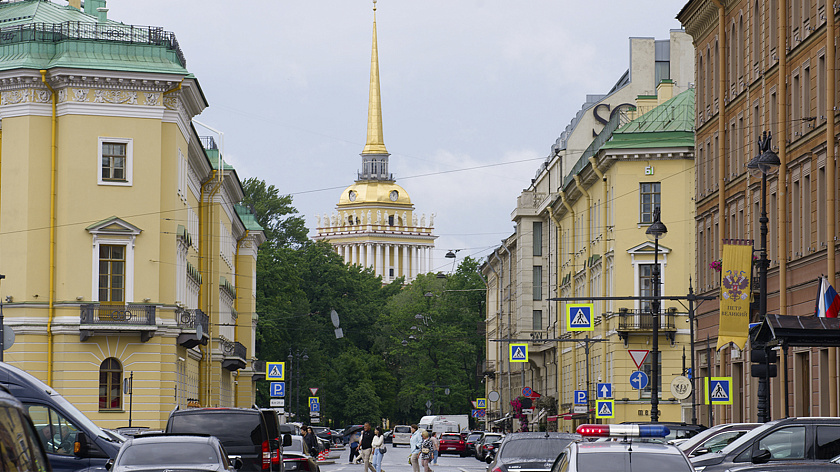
(763, 363)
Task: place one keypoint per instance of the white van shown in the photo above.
(401, 435)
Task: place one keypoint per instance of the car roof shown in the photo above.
(165, 438)
(542, 435)
(627, 446)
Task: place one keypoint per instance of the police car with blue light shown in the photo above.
(625, 453)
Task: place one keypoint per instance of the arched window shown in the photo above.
(110, 384)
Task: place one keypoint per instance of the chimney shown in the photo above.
(96, 8)
(77, 4)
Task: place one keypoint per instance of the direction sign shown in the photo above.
(275, 370)
(580, 316)
(580, 397)
(481, 403)
(638, 356)
(638, 380)
(605, 409)
(518, 352)
(718, 390)
(605, 390)
(527, 391)
(277, 402)
(314, 390)
(278, 389)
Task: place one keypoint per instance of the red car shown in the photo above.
(453, 443)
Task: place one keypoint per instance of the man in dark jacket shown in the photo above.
(366, 448)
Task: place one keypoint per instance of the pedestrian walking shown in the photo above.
(427, 450)
(366, 448)
(415, 442)
(311, 441)
(354, 446)
(436, 450)
(378, 445)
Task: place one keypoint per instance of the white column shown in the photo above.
(354, 255)
(369, 255)
(422, 264)
(404, 271)
(414, 259)
(429, 256)
(377, 257)
(385, 263)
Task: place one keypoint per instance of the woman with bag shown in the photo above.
(427, 448)
(378, 445)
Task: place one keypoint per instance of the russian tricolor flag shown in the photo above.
(828, 302)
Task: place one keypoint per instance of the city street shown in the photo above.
(396, 459)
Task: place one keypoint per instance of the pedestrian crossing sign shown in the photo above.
(605, 409)
(579, 317)
(480, 403)
(275, 370)
(519, 352)
(718, 390)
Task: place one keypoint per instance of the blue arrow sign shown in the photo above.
(278, 389)
(580, 397)
(605, 390)
(638, 380)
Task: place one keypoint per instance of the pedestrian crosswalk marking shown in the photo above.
(718, 390)
(580, 318)
(719, 393)
(275, 370)
(605, 410)
(519, 353)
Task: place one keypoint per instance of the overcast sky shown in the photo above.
(474, 92)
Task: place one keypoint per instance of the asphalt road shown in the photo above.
(396, 459)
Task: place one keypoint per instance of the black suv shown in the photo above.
(789, 440)
(22, 449)
(243, 432)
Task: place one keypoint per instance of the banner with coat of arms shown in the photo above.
(735, 293)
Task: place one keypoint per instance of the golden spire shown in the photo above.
(375, 142)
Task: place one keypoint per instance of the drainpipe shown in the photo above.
(206, 246)
(558, 356)
(830, 142)
(781, 181)
(721, 121)
(53, 171)
(603, 251)
(574, 234)
(588, 239)
(499, 357)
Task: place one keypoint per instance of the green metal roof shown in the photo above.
(39, 34)
(668, 125)
(247, 218)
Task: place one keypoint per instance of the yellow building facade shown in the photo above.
(124, 251)
(374, 224)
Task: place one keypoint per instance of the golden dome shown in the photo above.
(374, 192)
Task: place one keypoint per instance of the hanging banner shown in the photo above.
(733, 326)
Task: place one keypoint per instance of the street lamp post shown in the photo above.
(655, 231)
(299, 356)
(766, 162)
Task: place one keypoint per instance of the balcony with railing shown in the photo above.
(116, 318)
(195, 327)
(234, 354)
(632, 321)
(259, 370)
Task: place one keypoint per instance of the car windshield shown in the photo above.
(473, 437)
(402, 429)
(233, 429)
(631, 462)
(533, 449)
(746, 438)
(489, 438)
(166, 454)
(697, 439)
(450, 437)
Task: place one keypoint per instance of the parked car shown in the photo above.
(290, 428)
(785, 441)
(19, 442)
(484, 443)
(470, 441)
(401, 435)
(529, 451)
(72, 442)
(323, 433)
(621, 456)
(491, 450)
(173, 452)
(297, 457)
(275, 443)
(715, 438)
(242, 431)
(677, 430)
(453, 444)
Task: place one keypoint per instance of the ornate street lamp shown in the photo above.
(655, 232)
(765, 163)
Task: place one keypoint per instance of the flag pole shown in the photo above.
(819, 295)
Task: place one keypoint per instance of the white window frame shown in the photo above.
(129, 161)
(127, 237)
(643, 254)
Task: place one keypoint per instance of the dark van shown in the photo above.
(243, 432)
(21, 449)
(72, 442)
